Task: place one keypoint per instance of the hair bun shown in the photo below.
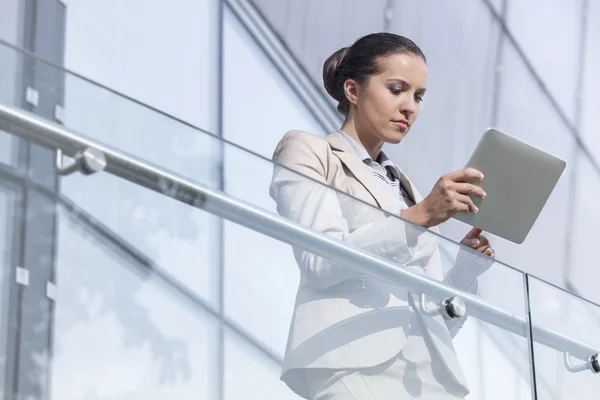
(331, 70)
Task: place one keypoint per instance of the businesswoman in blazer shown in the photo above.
(354, 337)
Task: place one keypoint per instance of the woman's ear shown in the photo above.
(352, 91)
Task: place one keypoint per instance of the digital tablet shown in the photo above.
(518, 180)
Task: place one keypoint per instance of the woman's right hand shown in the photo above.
(449, 196)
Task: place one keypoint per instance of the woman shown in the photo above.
(354, 337)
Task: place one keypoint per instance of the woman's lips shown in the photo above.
(401, 123)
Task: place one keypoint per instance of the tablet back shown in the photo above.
(518, 179)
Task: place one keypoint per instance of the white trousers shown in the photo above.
(397, 379)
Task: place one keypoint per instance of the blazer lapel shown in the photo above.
(408, 186)
(358, 168)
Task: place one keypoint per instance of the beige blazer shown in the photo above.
(342, 319)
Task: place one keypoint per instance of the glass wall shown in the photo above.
(165, 56)
(253, 89)
(11, 20)
(558, 70)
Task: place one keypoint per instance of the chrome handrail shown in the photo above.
(45, 133)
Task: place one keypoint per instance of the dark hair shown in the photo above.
(361, 61)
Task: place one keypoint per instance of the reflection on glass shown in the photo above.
(554, 309)
(122, 330)
(176, 238)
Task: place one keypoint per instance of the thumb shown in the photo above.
(475, 232)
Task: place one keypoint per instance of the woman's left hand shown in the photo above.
(475, 240)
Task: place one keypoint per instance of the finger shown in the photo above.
(466, 200)
(475, 244)
(484, 241)
(488, 251)
(468, 188)
(464, 174)
(474, 233)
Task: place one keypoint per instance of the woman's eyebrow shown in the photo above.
(405, 83)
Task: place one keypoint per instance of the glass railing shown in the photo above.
(177, 274)
(561, 374)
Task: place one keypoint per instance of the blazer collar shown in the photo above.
(363, 174)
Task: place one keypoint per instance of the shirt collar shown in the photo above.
(382, 158)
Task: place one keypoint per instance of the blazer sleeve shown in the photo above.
(300, 190)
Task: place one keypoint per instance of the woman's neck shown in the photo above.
(370, 143)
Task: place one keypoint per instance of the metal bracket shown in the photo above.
(450, 308)
(87, 162)
(51, 290)
(22, 276)
(59, 113)
(32, 96)
(592, 364)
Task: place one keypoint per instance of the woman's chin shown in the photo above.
(395, 138)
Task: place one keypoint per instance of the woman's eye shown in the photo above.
(419, 98)
(395, 89)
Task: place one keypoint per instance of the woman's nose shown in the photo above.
(408, 106)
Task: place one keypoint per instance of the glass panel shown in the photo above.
(557, 69)
(35, 308)
(8, 243)
(164, 56)
(122, 328)
(138, 130)
(178, 239)
(525, 113)
(581, 273)
(247, 67)
(590, 118)
(256, 95)
(250, 373)
(10, 93)
(553, 309)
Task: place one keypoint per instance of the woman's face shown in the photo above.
(388, 104)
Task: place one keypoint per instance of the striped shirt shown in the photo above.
(386, 173)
